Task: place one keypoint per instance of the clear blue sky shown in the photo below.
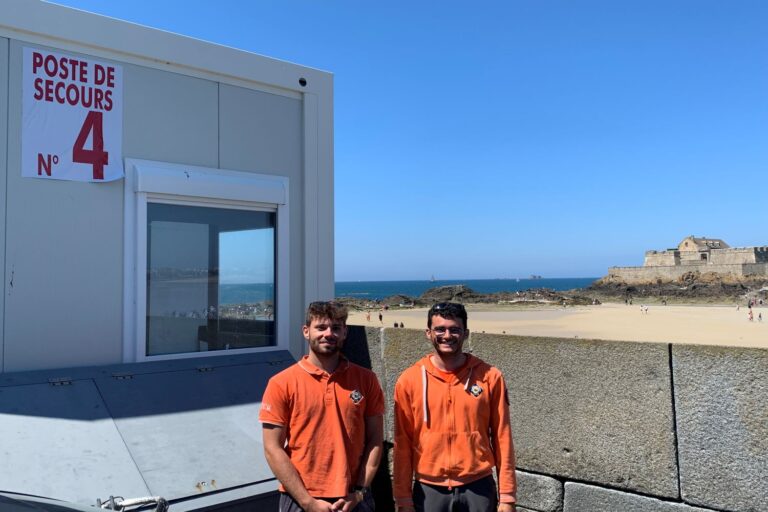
(506, 138)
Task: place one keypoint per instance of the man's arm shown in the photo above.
(403, 466)
(374, 445)
(503, 447)
(285, 471)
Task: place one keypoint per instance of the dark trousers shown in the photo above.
(477, 496)
(288, 504)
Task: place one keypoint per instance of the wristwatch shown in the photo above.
(362, 492)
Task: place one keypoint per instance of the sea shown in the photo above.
(257, 292)
(382, 289)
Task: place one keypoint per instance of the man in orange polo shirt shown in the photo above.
(452, 427)
(323, 422)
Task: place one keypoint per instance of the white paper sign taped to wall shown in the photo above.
(72, 118)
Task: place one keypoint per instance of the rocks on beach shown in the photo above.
(693, 286)
(465, 295)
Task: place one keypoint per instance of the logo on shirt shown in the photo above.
(356, 396)
(475, 390)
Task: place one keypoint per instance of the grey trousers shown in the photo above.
(287, 504)
(477, 496)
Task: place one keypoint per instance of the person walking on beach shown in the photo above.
(322, 419)
(452, 396)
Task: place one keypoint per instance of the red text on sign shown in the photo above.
(73, 94)
(104, 76)
(61, 67)
(45, 163)
(96, 156)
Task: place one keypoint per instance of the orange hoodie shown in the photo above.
(452, 428)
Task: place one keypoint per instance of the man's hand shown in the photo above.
(506, 507)
(322, 506)
(347, 503)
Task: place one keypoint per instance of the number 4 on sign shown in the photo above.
(96, 156)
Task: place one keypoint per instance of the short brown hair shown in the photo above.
(326, 309)
(452, 310)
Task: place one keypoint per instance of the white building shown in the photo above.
(151, 183)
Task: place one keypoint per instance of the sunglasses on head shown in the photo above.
(447, 306)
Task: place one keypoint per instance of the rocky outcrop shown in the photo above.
(466, 295)
(694, 284)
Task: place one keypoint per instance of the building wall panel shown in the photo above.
(170, 117)
(3, 161)
(64, 247)
(263, 132)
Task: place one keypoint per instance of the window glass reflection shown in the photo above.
(210, 279)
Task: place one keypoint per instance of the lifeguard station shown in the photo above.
(167, 216)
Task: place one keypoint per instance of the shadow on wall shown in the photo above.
(358, 350)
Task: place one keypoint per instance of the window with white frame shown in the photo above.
(202, 253)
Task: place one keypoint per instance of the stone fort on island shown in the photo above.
(702, 255)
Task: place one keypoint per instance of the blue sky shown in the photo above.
(506, 138)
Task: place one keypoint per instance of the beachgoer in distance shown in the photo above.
(450, 394)
(381, 317)
(323, 422)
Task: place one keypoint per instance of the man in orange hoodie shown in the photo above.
(452, 427)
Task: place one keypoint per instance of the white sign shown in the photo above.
(72, 118)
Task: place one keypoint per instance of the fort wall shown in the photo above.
(606, 426)
(733, 256)
(715, 260)
(639, 275)
(661, 258)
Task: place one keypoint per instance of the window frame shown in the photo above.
(185, 185)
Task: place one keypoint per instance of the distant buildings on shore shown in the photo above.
(692, 254)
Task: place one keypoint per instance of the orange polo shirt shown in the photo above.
(324, 417)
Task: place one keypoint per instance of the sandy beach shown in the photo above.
(695, 324)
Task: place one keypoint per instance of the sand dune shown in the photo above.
(703, 325)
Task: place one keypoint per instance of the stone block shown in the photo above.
(588, 498)
(589, 410)
(402, 348)
(541, 493)
(364, 347)
(722, 423)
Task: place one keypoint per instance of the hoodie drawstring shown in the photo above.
(424, 393)
(425, 407)
(466, 384)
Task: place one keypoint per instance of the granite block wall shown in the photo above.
(615, 426)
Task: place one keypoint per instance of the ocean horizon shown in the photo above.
(374, 290)
(246, 293)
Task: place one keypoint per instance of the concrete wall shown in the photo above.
(3, 173)
(617, 426)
